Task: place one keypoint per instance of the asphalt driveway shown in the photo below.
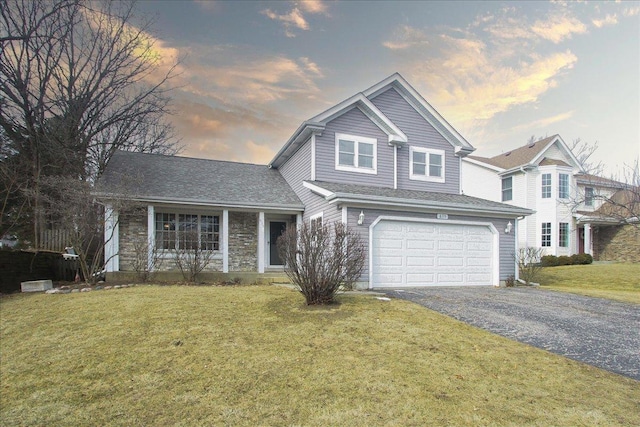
(596, 331)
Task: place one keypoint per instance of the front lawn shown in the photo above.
(173, 355)
(614, 281)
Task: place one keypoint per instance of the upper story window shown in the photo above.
(546, 234)
(356, 153)
(507, 189)
(426, 164)
(588, 196)
(563, 186)
(546, 185)
(187, 231)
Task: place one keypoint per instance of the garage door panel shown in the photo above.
(418, 261)
(410, 253)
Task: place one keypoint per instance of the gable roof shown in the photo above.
(529, 155)
(362, 101)
(185, 180)
(378, 197)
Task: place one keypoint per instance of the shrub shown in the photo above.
(581, 259)
(510, 281)
(528, 260)
(564, 260)
(321, 259)
(549, 261)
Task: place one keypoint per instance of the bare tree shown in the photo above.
(322, 259)
(583, 151)
(147, 258)
(78, 81)
(528, 262)
(193, 254)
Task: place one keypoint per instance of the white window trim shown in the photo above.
(510, 188)
(568, 192)
(357, 140)
(542, 186)
(171, 253)
(427, 177)
(316, 217)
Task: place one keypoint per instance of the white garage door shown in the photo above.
(406, 253)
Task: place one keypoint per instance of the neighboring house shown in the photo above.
(546, 177)
(383, 162)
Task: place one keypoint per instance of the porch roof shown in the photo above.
(183, 180)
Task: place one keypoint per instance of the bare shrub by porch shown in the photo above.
(321, 259)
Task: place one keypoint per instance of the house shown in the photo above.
(383, 162)
(546, 177)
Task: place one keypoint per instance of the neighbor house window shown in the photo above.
(187, 231)
(563, 235)
(546, 234)
(507, 189)
(563, 186)
(316, 220)
(356, 153)
(546, 185)
(588, 196)
(426, 164)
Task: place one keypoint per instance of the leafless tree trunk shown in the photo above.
(78, 81)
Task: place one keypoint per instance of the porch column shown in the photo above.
(225, 241)
(261, 242)
(151, 236)
(587, 239)
(299, 221)
(111, 239)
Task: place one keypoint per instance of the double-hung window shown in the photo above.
(187, 231)
(356, 153)
(546, 234)
(507, 189)
(426, 164)
(563, 234)
(546, 185)
(563, 186)
(588, 196)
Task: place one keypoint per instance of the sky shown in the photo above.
(250, 72)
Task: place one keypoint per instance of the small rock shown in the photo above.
(106, 288)
(85, 290)
(65, 291)
(64, 287)
(101, 282)
(97, 288)
(117, 287)
(124, 286)
(383, 298)
(52, 291)
(75, 290)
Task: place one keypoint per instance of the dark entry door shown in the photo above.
(276, 228)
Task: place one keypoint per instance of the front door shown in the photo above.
(276, 228)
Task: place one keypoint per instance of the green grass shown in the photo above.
(257, 356)
(619, 282)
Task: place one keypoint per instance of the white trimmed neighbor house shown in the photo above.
(383, 161)
(545, 177)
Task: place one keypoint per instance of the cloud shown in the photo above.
(295, 18)
(405, 38)
(607, 20)
(544, 122)
(558, 27)
(631, 11)
(313, 6)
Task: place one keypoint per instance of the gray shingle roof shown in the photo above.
(517, 157)
(177, 179)
(373, 195)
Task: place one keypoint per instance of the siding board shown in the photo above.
(420, 134)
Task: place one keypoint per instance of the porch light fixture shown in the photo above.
(509, 228)
(361, 218)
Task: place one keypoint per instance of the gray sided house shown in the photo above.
(383, 162)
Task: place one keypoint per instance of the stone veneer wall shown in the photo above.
(617, 243)
(133, 227)
(243, 243)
